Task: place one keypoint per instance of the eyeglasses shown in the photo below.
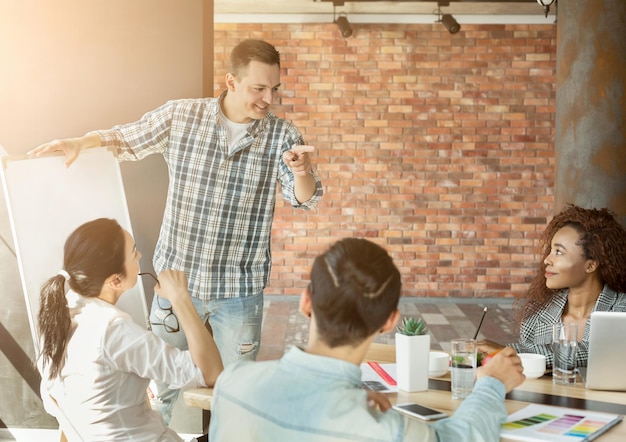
(170, 312)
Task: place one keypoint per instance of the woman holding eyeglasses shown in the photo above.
(95, 361)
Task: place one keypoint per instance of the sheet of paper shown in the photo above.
(374, 381)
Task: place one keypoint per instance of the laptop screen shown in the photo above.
(607, 352)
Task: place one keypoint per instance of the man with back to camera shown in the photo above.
(314, 394)
(225, 156)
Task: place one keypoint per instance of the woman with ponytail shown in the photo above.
(95, 361)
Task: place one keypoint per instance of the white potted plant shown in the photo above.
(412, 354)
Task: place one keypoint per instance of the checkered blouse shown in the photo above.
(536, 331)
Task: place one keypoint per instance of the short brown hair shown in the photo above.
(355, 286)
(252, 50)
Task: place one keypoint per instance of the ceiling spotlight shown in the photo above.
(450, 23)
(546, 5)
(447, 20)
(344, 26)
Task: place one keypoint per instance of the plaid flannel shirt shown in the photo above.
(220, 206)
(536, 330)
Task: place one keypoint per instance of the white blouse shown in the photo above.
(109, 363)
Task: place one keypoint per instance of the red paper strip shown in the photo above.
(382, 373)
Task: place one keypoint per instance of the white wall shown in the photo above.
(70, 66)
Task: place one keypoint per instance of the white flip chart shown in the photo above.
(46, 201)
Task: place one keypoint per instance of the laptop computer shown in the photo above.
(607, 352)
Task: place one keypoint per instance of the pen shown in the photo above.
(480, 323)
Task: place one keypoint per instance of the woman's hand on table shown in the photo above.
(378, 401)
(505, 366)
(487, 350)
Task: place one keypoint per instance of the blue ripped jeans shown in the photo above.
(236, 327)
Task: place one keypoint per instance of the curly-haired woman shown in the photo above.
(582, 270)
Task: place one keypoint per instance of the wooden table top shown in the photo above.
(438, 396)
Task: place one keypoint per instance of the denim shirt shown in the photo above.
(305, 398)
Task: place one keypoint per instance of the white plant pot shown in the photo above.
(412, 355)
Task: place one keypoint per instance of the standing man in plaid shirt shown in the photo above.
(225, 156)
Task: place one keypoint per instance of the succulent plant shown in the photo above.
(412, 327)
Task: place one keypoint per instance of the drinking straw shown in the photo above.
(480, 323)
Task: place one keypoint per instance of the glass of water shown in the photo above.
(564, 345)
(463, 370)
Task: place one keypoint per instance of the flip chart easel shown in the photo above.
(46, 201)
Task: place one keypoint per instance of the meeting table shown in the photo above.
(532, 391)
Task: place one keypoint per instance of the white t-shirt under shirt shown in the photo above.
(234, 131)
(108, 365)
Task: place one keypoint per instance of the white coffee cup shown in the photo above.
(438, 363)
(534, 365)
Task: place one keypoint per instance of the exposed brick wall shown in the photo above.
(437, 146)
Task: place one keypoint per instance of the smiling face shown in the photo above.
(250, 96)
(566, 265)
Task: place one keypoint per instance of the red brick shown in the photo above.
(436, 146)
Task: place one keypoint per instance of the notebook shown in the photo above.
(607, 352)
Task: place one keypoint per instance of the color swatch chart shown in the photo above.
(528, 422)
(544, 423)
(567, 425)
